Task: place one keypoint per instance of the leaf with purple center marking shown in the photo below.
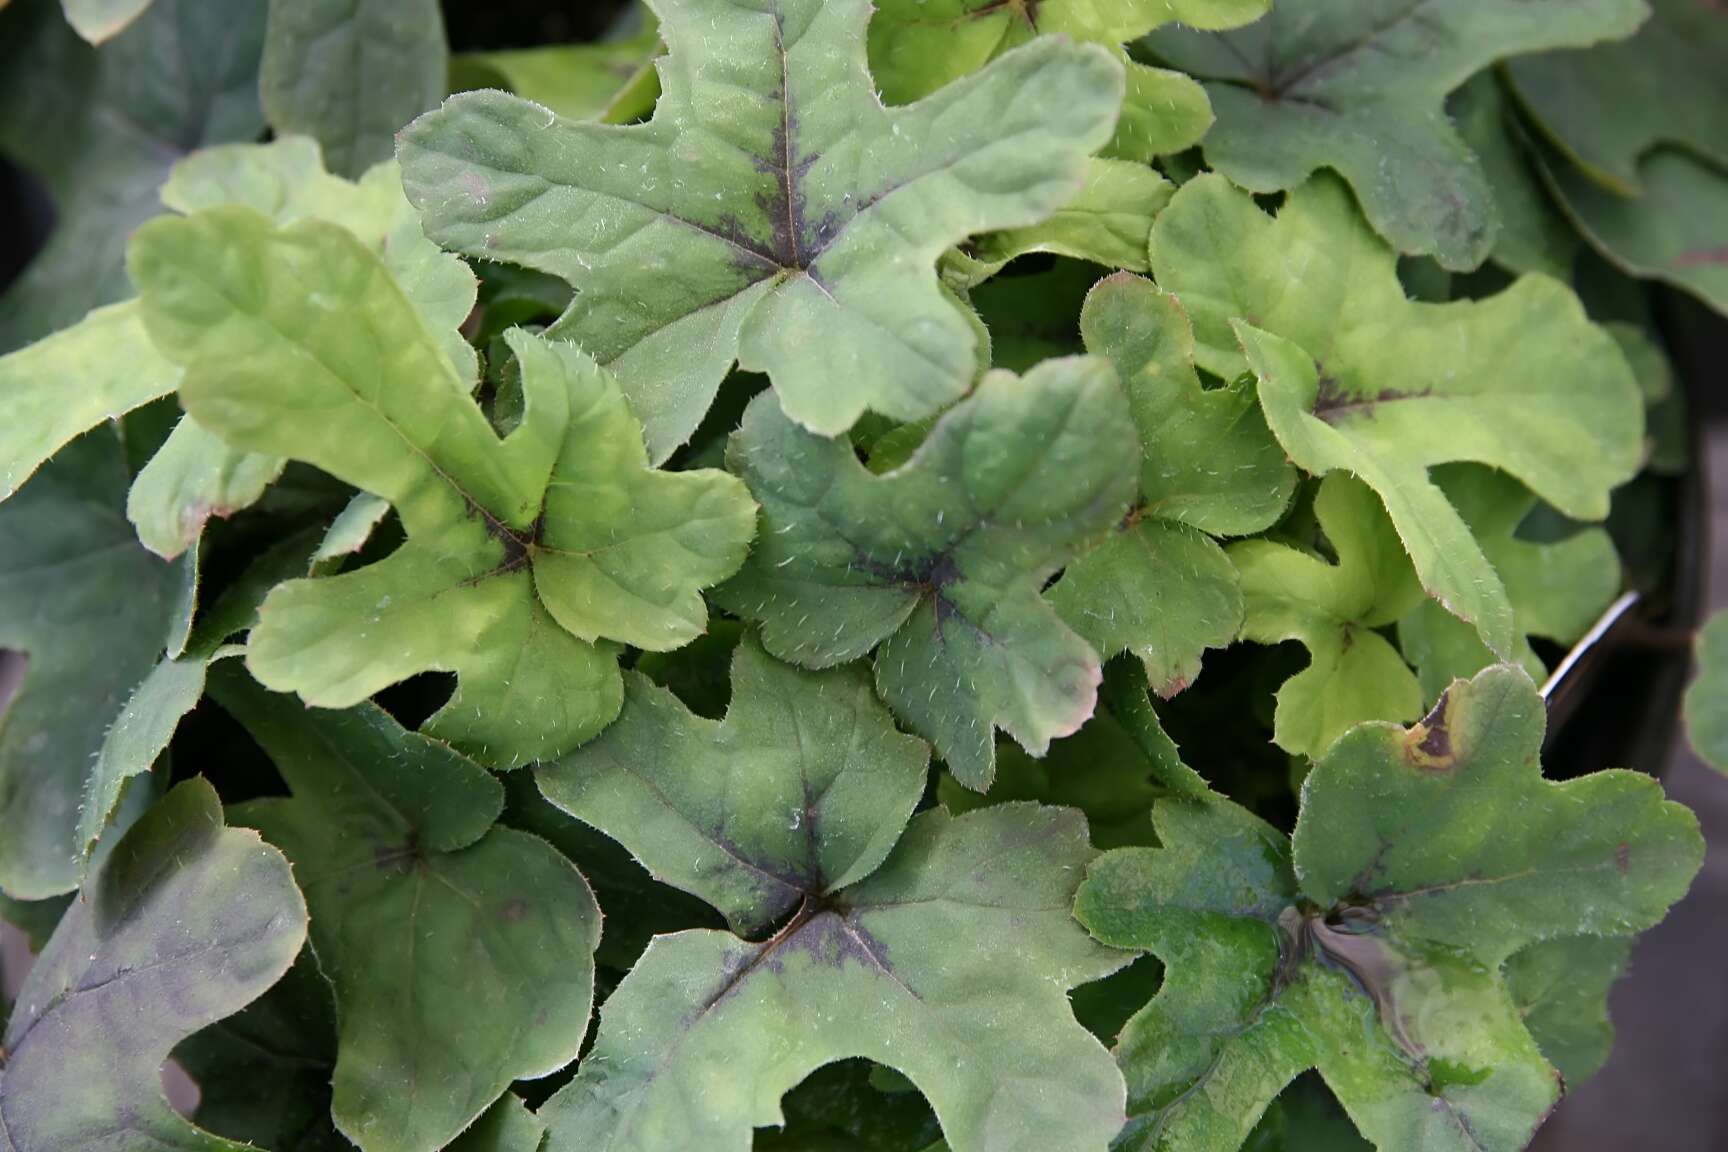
(529, 558)
(941, 561)
(1354, 376)
(942, 948)
(1359, 86)
(1372, 948)
(461, 954)
(184, 924)
(772, 212)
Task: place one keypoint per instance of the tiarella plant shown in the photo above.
(652, 604)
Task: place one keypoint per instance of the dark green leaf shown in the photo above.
(1358, 86)
(461, 954)
(942, 560)
(349, 73)
(184, 924)
(93, 611)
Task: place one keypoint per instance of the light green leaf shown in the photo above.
(106, 365)
(100, 20)
(461, 954)
(526, 558)
(1333, 609)
(183, 925)
(1607, 107)
(1423, 859)
(1672, 233)
(1706, 702)
(1108, 222)
(919, 46)
(195, 475)
(1208, 459)
(1386, 387)
(1160, 587)
(941, 560)
(1534, 235)
(350, 531)
(612, 81)
(803, 219)
(99, 369)
(192, 477)
(950, 963)
(1557, 589)
(800, 791)
(1561, 989)
(349, 73)
(286, 181)
(1358, 86)
(103, 128)
(93, 612)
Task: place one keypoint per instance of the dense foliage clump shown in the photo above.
(817, 575)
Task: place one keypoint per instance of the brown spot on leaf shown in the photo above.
(513, 910)
(1428, 745)
(1623, 857)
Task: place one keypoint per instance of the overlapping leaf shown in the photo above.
(1423, 859)
(1557, 588)
(1358, 86)
(1561, 989)
(183, 925)
(1607, 107)
(196, 475)
(1334, 609)
(349, 73)
(461, 954)
(612, 81)
(1533, 236)
(1354, 376)
(106, 365)
(1160, 587)
(948, 960)
(528, 558)
(103, 128)
(1672, 232)
(917, 46)
(771, 212)
(1707, 697)
(1111, 770)
(801, 790)
(93, 611)
(72, 381)
(263, 1074)
(1108, 222)
(941, 561)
